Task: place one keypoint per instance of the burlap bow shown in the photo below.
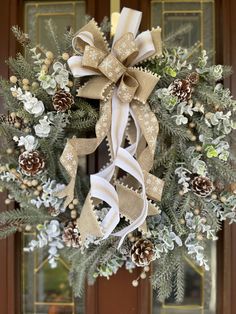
(123, 90)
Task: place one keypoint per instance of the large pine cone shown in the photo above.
(181, 89)
(62, 100)
(31, 163)
(142, 252)
(71, 235)
(202, 186)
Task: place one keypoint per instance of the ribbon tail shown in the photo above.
(67, 192)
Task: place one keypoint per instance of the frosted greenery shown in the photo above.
(194, 140)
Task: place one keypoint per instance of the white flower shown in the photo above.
(17, 91)
(53, 229)
(48, 82)
(43, 128)
(216, 72)
(29, 141)
(32, 104)
(61, 75)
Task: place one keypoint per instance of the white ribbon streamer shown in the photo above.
(101, 188)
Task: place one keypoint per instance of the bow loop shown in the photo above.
(146, 83)
(91, 35)
(92, 57)
(123, 91)
(112, 68)
(127, 88)
(126, 49)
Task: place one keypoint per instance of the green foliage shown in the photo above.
(10, 102)
(185, 142)
(21, 67)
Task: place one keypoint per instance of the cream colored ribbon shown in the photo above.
(123, 90)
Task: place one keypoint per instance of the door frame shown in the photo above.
(10, 249)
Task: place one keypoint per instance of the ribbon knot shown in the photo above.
(123, 90)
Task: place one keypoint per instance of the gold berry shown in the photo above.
(28, 227)
(14, 94)
(26, 87)
(135, 283)
(49, 55)
(182, 221)
(75, 201)
(48, 61)
(146, 269)
(143, 276)
(35, 85)
(198, 148)
(17, 125)
(45, 67)
(214, 196)
(70, 84)
(13, 79)
(192, 125)
(223, 199)
(36, 193)
(71, 206)
(193, 138)
(25, 81)
(7, 201)
(73, 214)
(200, 237)
(65, 56)
(34, 183)
(9, 151)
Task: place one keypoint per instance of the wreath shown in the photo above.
(167, 182)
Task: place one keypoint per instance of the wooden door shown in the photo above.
(117, 296)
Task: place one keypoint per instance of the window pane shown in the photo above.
(46, 290)
(195, 16)
(197, 20)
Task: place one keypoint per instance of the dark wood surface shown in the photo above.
(226, 54)
(117, 296)
(9, 248)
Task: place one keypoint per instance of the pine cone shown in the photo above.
(62, 100)
(71, 235)
(142, 252)
(181, 89)
(12, 120)
(193, 78)
(202, 186)
(31, 163)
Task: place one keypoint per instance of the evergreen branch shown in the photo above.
(10, 102)
(6, 231)
(52, 29)
(23, 216)
(21, 67)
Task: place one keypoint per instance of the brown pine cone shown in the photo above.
(12, 120)
(181, 89)
(71, 235)
(62, 100)
(142, 252)
(31, 163)
(193, 78)
(202, 186)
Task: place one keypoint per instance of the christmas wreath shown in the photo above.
(166, 120)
